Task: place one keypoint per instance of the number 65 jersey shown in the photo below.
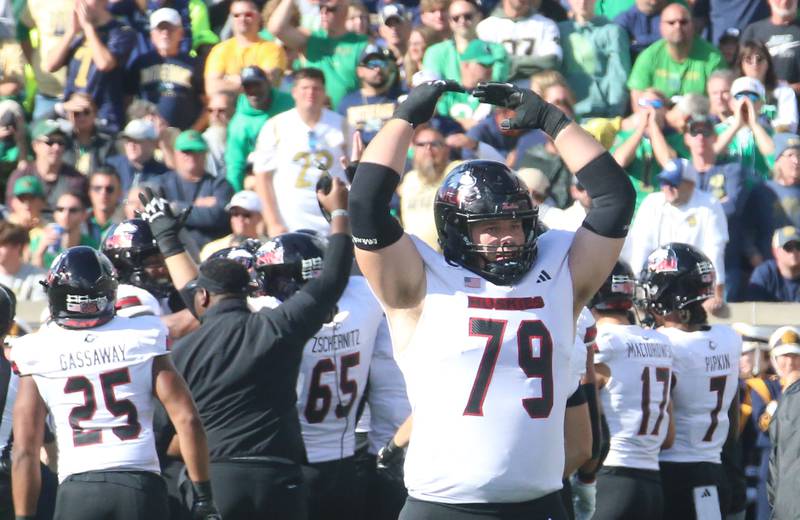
(488, 375)
(98, 385)
(706, 366)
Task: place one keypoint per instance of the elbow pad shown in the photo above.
(613, 197)
(370, 194)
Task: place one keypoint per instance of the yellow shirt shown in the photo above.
(50, 18)
(229, 58)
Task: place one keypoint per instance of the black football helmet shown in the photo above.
(288, 261)
(8, 309)
(617, 292)
(478, 191)
(128, 245)
(81, 288)
(676, 276)
(243, 254)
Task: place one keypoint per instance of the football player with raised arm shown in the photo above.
(99, 376)
(677, 280)
(484, 332)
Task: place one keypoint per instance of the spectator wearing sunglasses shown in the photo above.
(677, 64)
(331, 49)
(754, 61)
(778, 279)
(259, 102)
(87, 146)
(776, 202)
(48, 143)
(245, 48)
(647, 148)
(781, 33)
(725, 181)
(745, 137)
(368, 108)
(105, 196)
(69, 217)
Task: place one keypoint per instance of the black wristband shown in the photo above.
(373, 227)
(552, 120)
(202, 490)
(613, 197)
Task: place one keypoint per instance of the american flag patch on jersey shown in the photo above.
(472, 282)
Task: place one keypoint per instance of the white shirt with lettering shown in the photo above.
(98, 385)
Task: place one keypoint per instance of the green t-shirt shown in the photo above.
(644, 169)
(459, 106)
(201, 25)
(743, 150)
(338, 59)
(86, 240)
(655, 68)
(442, 58)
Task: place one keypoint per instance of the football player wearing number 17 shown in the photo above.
(99, 376)
(484, 332)
(677, 280)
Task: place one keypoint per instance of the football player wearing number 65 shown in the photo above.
(99, 376)
(483, 333)
(677, 280)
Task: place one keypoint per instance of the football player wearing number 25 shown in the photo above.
(484, 332)
(99, 376)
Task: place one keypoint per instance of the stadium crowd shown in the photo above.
(183, 139)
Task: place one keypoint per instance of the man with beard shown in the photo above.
(418, 189)
(369, 107)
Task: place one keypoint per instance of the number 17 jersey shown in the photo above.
(488, 375)
(98, 385)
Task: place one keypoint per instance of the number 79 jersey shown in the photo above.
(488, 376)
(98, 385)
(706, 366)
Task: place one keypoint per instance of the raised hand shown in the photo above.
(164, 224)
(418, 107)
(531, 111)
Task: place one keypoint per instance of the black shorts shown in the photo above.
(548, 507)
(331, 490)
(257, 488)
(628, 494)
(122, 495)
(688, 486)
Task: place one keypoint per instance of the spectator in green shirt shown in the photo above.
(596, 61)
(680, 63)
(645, 150)
(443, 58)
(69, 215)
(259, 102)
(331, 49)
(476, 66)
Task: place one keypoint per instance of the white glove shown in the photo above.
(584, 498)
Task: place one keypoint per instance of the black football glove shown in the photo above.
(531, 110)
(203, 507)
(390, 462)
(418, 107)
(164, 224)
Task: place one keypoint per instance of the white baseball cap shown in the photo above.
(748, 84)
(140, 130)
(785, 340)
(165, 14)
(247, 200)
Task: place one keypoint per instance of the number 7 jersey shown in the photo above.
(706, 366)
(98, 385)
(488, 375)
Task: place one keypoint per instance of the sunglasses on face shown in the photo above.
(750, 95)
(376, 64)
(791, 247)
(68, 209)
(54, 142)
(655, 103)
(429, 144)
(103, 189)
(703, 130)
(467, 17)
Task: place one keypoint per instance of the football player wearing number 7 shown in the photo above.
(99, 376)
(484, 332)
(633, 367)
(677, 280)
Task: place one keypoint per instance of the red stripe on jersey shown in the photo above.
(506, 304)
(591, 334)
(128, 301)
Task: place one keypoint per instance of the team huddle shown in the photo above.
(507, 377)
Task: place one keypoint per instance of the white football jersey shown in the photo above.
(637, 395)
(488, 375)
(706, 365)
(333, 374)
(134, 301)
(585, 332)
(533, 36)
(98, 385)
(291, 149)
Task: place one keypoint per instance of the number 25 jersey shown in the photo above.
(488, 375)
(98, 385)
(706, 366)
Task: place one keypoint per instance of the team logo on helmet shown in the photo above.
(122, 236)
(270, 253)
(663, 260)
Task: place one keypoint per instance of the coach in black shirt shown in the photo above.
(242, 367)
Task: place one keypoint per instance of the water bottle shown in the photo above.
(53, 249)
